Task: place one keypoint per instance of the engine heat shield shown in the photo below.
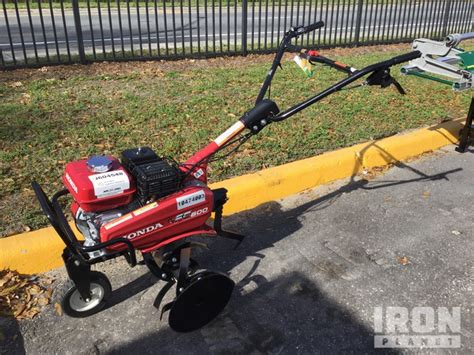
(98, 191)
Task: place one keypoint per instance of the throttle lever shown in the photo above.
(398, 86)
(383, 78)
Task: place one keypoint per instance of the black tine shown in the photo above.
(161, 294)
(166, 308)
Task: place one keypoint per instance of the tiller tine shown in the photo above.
(166, 308)
(231, 235)
(161, 295)
(200, 297)
(220, 196)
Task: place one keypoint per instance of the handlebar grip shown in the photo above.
(313, 27)
(295, 49)
(404, 57)
(306, 29)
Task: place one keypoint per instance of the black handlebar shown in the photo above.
(403, 58)
(284, 45)
(386, 64)
(301, 30)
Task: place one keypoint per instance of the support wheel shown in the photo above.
(75, 306)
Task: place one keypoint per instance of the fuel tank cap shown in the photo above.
(99, 164)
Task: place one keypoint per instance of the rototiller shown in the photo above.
(152, 204)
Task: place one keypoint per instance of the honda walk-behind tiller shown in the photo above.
(154, 205)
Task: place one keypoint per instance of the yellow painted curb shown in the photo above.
(40, 250)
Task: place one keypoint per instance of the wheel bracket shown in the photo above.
(79, 272)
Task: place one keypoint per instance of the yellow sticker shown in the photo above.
(145, 208)
(117, 221)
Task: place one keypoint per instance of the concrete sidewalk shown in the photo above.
(310, 272)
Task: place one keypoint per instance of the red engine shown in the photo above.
(142, 198)
(99, 188)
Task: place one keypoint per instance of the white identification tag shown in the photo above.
(110, 183)
(190, 200)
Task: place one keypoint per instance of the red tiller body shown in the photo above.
(152, 224)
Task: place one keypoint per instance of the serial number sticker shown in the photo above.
(117, 221)
(145, 208)
(110, 183)
(191, 199)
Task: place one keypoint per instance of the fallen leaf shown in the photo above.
(31, 313)
(35, 290)
(403, 260)
(426, 194)
(19, 310)
(3, 282)
(8, 290)
(58, 309)
(22, 296)
(43, 301)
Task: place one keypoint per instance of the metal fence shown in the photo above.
(42, 32)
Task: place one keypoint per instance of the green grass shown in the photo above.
(50, 118)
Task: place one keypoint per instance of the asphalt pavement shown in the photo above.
(311, 275)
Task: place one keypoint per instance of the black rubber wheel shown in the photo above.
(75, 306)
(205, 296)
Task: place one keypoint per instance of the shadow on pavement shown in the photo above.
(131, 289)
(304, 320)
(289, 313)
(11, 340)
